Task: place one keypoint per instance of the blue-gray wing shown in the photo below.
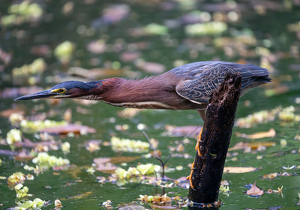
(202, 78)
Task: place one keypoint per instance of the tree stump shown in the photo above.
(208, 167)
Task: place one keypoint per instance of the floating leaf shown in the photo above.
(37, 170)
(91, 170)
(129, 145)
(259, 135)
(93, 145)
(85, 102)
(15, 119)
(130, 56)
(279, 191)
(151, 67)
(44, 160)
(297, 137)
(209, 28)
(156, 29)
(74, 171)
(41, 50)
(22, 192)
(7, 152)
(107, 164)
(128, 112)
(238, 170)
(64, 51)
(15, 111)
(164, 199)
(65, 147)
(104, 165)
(123, 159)
(83, 110)
(255, 191)
(69, 128)
(189, 130)
(283, 142)
(67, 9)
(16, 178)
(101, 160)
(22, 156)
(107, 204)
(4, 56)
(287, 115)
(13, 136)
(38, 66)
(115, 13)
(272, 176)
(252, 145)
(164, 207)
(39, 125)
(97, 46)
(58, 204)
(148, 168)
(80, 196)
(37, 145)
(263, 116)
(37, 203)
(132, 207)
(68, 115)
(95, 73)
(224, 189)
(20, 13)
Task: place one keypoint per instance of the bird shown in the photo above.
(182, 88)
(187, 87)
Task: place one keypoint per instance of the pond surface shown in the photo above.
(136, 38)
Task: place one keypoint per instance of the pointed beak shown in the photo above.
(42, 94)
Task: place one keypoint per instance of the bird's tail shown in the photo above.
(264, 79)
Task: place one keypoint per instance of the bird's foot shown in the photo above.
(189, 177)
(197, 147)
(200, 155)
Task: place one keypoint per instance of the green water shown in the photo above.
(270, 29)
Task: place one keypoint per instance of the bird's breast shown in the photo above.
(142, 105)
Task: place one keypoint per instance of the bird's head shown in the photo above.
(69, 89)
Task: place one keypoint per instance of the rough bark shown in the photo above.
(208, 167)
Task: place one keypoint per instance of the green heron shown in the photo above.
(182, 88)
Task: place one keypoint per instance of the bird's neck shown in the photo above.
(148, 93)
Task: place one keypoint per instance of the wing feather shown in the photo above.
(202, 78)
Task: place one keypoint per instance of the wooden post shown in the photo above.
(208, 167)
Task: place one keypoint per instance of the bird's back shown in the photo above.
(198, 80)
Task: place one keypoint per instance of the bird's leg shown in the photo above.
(202, 114)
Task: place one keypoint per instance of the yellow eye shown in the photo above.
(59, 91)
